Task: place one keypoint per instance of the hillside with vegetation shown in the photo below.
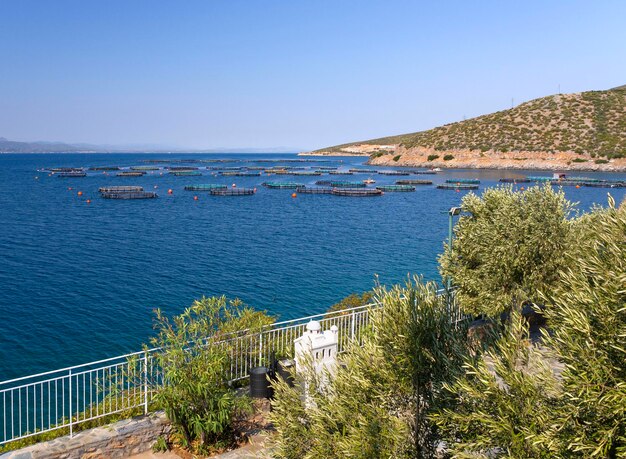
(568, 129)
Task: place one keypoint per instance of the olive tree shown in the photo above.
(508, 246)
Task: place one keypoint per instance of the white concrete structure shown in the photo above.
(320, 347)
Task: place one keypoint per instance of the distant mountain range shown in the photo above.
(11, 146)
(584, 130)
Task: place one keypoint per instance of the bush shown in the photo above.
(432, 157)
(509, 246)
(378, 403)
(579, 160)
(196, 395)
(448, 157)
(601, 161)
(397, 158)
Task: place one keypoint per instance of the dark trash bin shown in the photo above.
(285, 369)
(260, 383)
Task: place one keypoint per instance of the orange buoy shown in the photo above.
(80, 193)
(457, 190)
(195, 198)
(522, 188)
(88, 201)
(170, 191)
(293, 195)
(577, 186)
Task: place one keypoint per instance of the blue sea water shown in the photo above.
(79, 282)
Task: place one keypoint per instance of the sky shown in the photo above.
(294, 74)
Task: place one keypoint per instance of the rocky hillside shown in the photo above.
(584, 130)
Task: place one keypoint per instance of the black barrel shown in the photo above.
(285, 370)
(259, 383)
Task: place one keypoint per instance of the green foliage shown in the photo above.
(378, 403)
(160, 445)
(195, 361)
(397, 158)
(579, 160)
(510, 246)
(432, 157)
(448, 157)
(377, 154)
(353, 300)
(601, 161)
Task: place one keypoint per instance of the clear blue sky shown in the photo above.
(307, 74)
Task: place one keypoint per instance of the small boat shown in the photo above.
(436, 169)
(369, 181)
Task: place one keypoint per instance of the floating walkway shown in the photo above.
(395, 188)
(356, 192)
(129, 195)
(131, 174)
(464, 181)
(283, 185)
(233, 192)
(205, 187)
(460, 186)
(120, 189)
(414, 182)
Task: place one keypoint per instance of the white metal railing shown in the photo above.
(64, 398)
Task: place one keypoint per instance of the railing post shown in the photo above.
(352, 325)
(145, 382)
(260, 346)
(70, 397)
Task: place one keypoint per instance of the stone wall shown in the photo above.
(114, 441)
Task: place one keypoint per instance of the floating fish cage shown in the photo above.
(327, 168)
(460, 186)
(120, 189)
(66, 169)
(71, 174)
(283, 185)
(394, 173)
(240, 174)
(130, 195)
(465, 181)
(314, 190)
(425, 172)
(395, 188)
(515, 180)
(414, 182)
(256, 168)
(324, 182)
(606, 184)
(104, 168)
(205, 187)
(185, 173)
(144, 168)
(539, 179)
(340, 173)
(306, 174)
(182, 168)
(361, 171)
(233, 192)
(356, 192)
(347, 184)
(131, 174)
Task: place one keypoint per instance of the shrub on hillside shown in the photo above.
(432, 157)
(448, 157)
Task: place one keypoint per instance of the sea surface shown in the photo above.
(79, 281)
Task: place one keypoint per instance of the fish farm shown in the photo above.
(362, 171)
(233, 192)
(425, 172)
(414, 182)
(182, 168)
(71, 174)
(282, 185)
(314, 190)
(347, 184)
(515, 180)
(104, 168)
(355, 192)
(144, 168)
(394, 188)
(129, 195)
(131, 174)
(186, 173)
(460, 186)
(205, 187)
(120, 189)
(339, 173)
(240, 174)
(394, 173)
(465, 181)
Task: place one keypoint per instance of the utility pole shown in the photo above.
(512, 102)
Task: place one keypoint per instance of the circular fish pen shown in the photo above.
(514, 180)
(182, 168)
(414, 182)
(129, 195)
(73, 174)
(606, 184)
(233, 192)
(120, 189)
(361, 171)
(339, 173)
(314, 190)
(460, 186)
(283, 185)
(185, 173)
(464, 181)
(205, 187)
(104, 168)
(356, 192)
(394, 173)
(131, 174)
(144, 168)
(240, 174)
(425, 172)
(396, 188)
